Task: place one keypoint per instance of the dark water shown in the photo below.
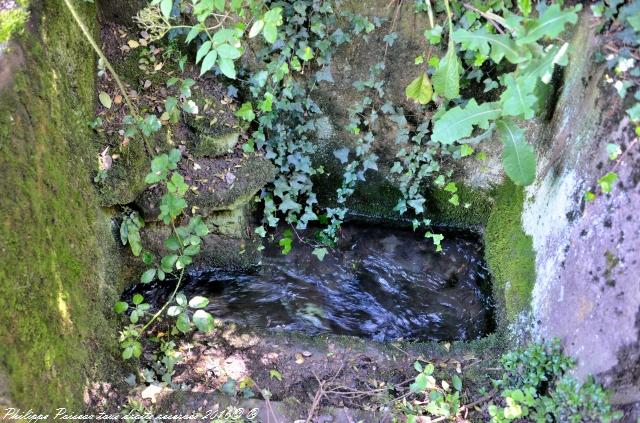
(379, 283)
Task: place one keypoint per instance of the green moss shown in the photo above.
(56, 276)
(213, 146)
(12, 22)
(473, 209)
(509, 251)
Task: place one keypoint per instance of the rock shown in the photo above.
(212, 192)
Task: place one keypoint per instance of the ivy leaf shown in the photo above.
(446, 78)
(550, 24)
(458, 122)
(518, 157)
(420, 89)
(342, 154)
(518, 99)
(607, 181)
(246, 112)
(320, 253)
(203, 320)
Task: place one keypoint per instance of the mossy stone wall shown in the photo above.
(56, 245)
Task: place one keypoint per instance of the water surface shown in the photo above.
(379, 283)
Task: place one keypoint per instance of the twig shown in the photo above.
(487, 16)
(97, 49)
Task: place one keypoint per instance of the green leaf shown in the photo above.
(137, 299)
(525, 9)
(420, 89)
(192, 250)
(203, 50)
(489, 45)
(613, 150)
(458, 122)
(198, 302)
(120, 307)
(167, 262)
(105, 100)
(227, 51)
(165, 8)
(286, 244)
(518, 157)
(246, 112)
(256, 28)
(607, 181)
(542, 68)
(174, 310)
(148, 276)
(457, 383)
(227, 68)
(550, 24)
(204, 321)
(272, 20)
(446, 78)
(420, 384)
(274, 374)
(320, 253)
(466, 150)
(183, 323)
(209, 61)
(518, 99)
(181, 299)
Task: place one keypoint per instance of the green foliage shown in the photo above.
(535, 385)
(420, 89)
(519, 160)
(12, 22)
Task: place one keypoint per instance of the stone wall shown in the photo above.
(587, 288)
(57, 275)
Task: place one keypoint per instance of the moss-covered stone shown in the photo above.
(125, 179)
(12, 22)
(208, 145)
(473, 210)
(56, 274)
(212, 193)
(509, 251)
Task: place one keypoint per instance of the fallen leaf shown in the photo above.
(117, 99)
(105, 100)
(133, 44)
(299, 358)
(229, 178)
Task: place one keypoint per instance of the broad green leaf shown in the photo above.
(165, 8)
(202, 51)
(518, 99)
(550, 24)
(198, 302)
(174, 310)
(446, 78)
(193, 33)
(256, 28)
(274, 374)
(192, 250)
(181, 299)
(209, 61)
(227, 51)
(203, 320)
(270, 33)
(542, 68)
(228, 68)
(457, 382)
(120, 307)
(420, 384)
(420, 89)
(148, 276)
(458, 123)
(490, 45)
(137, 299)
(183, 323)
(518, 157)
(105, 100)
